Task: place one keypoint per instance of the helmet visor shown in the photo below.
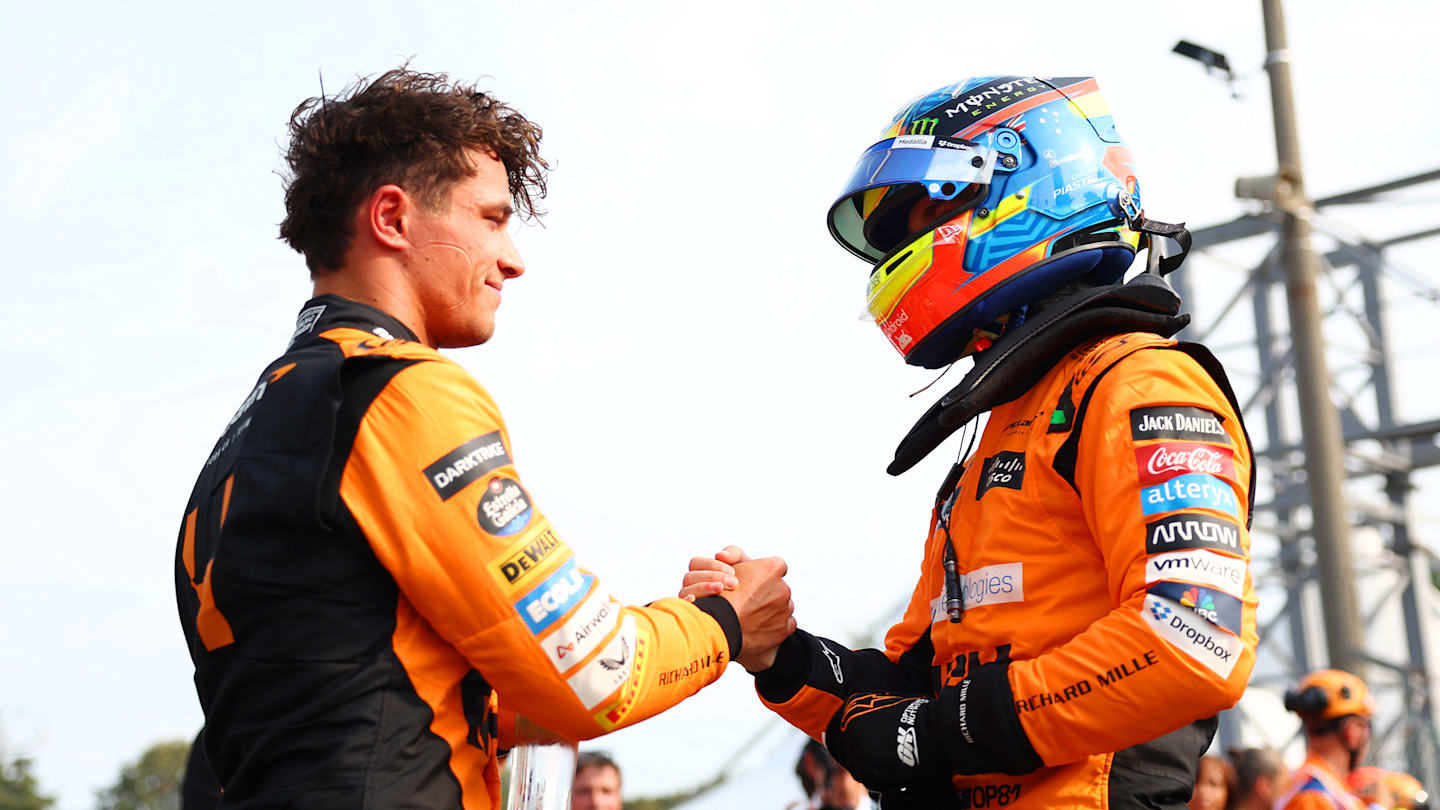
(944, 168)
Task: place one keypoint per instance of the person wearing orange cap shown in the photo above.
(1335, 708)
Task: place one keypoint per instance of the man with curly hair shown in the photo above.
(369, 593)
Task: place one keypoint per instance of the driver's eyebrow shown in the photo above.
(498, 210)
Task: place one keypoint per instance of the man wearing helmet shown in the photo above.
(1335, 709)
(1085, 606)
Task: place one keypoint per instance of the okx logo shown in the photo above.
(1219, 608)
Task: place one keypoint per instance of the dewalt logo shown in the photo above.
(529, 556)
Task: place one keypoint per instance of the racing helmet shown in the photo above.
(1329, 693)
(982, 197)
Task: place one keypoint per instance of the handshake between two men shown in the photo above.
(757, 591)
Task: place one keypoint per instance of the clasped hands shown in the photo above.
(757, 591)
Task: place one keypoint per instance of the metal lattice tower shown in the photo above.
(1399, 603)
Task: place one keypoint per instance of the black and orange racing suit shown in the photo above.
(369, 591)
(1101, 551)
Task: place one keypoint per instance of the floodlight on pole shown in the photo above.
(1213, 60)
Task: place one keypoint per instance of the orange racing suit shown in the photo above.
(1101, 552)
(365, 584)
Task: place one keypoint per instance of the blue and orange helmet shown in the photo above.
(982, 197)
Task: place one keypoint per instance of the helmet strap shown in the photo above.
(1156, 264)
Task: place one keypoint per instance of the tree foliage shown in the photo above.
(150, 783)
(18, 788)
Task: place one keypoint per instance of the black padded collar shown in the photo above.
(1024, 355)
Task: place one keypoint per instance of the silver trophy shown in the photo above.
(542, 769)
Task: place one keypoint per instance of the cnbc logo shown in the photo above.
(1199, 601)
(922, 126)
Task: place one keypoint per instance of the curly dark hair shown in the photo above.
(404, 127)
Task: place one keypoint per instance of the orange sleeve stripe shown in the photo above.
(810, 710)
(210, 623)
(214, 628)
(188, 552)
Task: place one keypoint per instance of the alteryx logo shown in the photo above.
(1191, 491)
(554, 597)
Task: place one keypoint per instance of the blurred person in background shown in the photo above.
(1368, 782)
(1335, 709)
(1260, 774)
(597, 783)
(1408, 792)
(828, 785)
(1214, 785)
(1085, 607)
(1389, 790)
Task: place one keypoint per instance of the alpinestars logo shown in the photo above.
(834, 662)
(906, 745)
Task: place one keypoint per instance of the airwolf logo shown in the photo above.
(1189, 492)
(1191, 531)
(467, 464)
(906, 746)
(834, 662)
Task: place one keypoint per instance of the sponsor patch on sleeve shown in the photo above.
(520, 562)
(579, 635)
(612, 715)
(1191, 635)
(604, 673)
(554, 597)
(1191, 491)
(1192, 530)
(504, 508)
(1177, 422)
(1157, 462)
(467, 464)
(1202, 567)
(1219, 608)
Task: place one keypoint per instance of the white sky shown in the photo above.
(682, 365)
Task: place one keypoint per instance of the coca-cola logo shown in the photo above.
(1158, 462)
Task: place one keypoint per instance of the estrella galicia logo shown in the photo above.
(554, 597)
(1189, 492)
(1191, 530)
(467, 464)
(1215, 606)
(1004, 469)
(504, 508)
(1177, 422)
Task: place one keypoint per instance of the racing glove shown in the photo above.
(889, 741)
